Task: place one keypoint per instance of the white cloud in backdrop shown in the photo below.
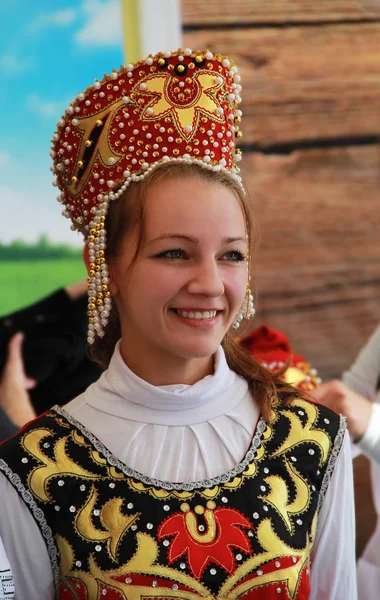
(44, 106)
(103, 24)
(11, 64)
(59, 18)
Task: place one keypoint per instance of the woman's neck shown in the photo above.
(166, 369)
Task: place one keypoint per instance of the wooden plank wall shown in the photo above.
(311, 140)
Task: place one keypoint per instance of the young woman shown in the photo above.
(188, 470)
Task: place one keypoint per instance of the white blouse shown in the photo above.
(210, 426)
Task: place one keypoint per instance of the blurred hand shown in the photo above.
(344, 401)
(14, 385)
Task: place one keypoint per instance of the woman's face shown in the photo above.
(180, 297)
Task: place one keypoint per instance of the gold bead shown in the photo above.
(102, 219)
(92, 273)
(88, 143)
(181, 68)
(89, 280)
(191, 65)
(188, 80)
(99, 295)
(92, 232)
(108, 294)
(99, 302)
(161, 62)
(101, 252)
(238, 119)
(105, 287)
(92, 265)
(99, 123)
(92, 299)
(175, 151)
(188, 148)
(181, 96)
(91, 320)
(74, 179)
(159, 139)
(177, 90)
(239, 134)
(101, 260)
(97, 268)
(198, 58)
(238, 151)
(80, 164)
(91, 307)
(89, 313)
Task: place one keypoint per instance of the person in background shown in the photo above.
(54, 347)
(15, 405)
(188, 469)
(356, 397)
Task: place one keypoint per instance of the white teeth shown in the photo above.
(197, 315)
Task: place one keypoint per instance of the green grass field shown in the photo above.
(24, 282)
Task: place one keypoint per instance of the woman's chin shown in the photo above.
(196, 349)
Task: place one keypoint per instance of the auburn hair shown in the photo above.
(126, 215)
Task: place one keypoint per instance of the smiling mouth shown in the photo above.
(205, 314)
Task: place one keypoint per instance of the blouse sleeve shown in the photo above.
(24, 547)
(333, 572)
(363, 377)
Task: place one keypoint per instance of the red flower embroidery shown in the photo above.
(211, 541)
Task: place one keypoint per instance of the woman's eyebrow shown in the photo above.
(193, 239)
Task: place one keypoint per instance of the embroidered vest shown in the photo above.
(113, 532)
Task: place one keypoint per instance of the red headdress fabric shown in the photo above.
(179, 106)
(271, 347)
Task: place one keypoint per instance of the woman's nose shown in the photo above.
(206, 280)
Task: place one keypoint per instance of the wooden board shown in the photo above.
(303, 83)
(228, 12)
(317, 268)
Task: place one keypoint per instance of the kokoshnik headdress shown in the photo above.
(174, 106)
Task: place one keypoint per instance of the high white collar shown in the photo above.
(122, 393)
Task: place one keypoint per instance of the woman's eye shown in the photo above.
(175, 254)
(234, 256)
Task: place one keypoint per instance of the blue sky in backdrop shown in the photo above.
(49, 52)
